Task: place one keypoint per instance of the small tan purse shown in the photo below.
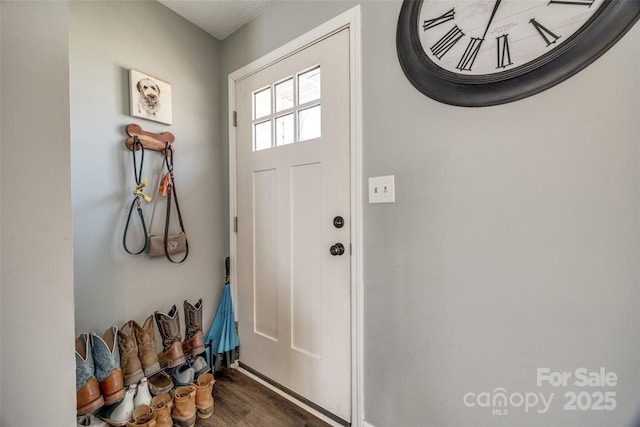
(165, 244)
(175, 244)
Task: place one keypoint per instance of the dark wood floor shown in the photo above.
(241, 401)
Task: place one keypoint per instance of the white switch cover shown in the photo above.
(382, 189)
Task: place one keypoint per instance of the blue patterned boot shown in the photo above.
(88, 396)
(107, 360)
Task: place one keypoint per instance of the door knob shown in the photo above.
(337, 249)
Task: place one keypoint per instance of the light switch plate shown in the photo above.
(382, 189)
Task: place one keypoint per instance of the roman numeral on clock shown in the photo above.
(572, 2)
(430, 23)
(544, 32)
(470, 54)
(504, 57)
(442, 46)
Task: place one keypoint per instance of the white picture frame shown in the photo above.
(150, 97)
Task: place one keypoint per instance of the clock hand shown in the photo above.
(495, 8)
(471, 52)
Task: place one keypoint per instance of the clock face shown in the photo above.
(488, 36)
(489, 52)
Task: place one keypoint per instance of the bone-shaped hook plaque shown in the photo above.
(149, 140)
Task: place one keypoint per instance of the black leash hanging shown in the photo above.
(171, 189)
(137, 194)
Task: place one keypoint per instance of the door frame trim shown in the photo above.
(350, 19)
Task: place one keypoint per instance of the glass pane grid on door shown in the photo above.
(288, 110)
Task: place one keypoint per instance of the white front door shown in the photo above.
(293, 180)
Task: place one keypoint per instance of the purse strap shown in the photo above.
(159, 188)
(171, 188)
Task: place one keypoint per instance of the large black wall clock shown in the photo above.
(487, 52)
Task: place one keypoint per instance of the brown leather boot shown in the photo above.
(184, 406)
(172, 354)
(144, 416)
(162, 404)
(146, 346)
(204, 398)
(193, 336)
(129, 361)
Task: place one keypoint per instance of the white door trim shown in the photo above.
(349, 19)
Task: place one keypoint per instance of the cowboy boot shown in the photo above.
(107, 361)
(193, 337)
(184, 406)
(144, 416)
(169, 327)
(119, 414)
(88, 396)
(160, 383)
(146, 346)
(182, 375)
(129, 361)
(91, 421)
(200, 366)
(143, 397)
(204, 398)
(162, 404)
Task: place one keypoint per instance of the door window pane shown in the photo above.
(262, 135)
(309, 86)
(309, 123)
(287, 111)
(284, 95)
(284, 130)
(262, 103)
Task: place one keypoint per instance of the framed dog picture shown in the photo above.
(150, 97)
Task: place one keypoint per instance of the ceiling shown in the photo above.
(219, 18)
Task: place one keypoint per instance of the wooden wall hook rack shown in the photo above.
(149, 140)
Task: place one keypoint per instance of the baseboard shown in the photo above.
(366, 424)
(290, 398)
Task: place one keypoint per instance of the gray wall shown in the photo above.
(513, 243)
(1, 276)
(106, 40)
(93, 44)
(37, 364)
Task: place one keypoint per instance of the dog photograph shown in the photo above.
(150, 97)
